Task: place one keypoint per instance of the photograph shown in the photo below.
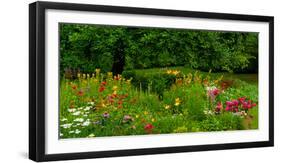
(139, 80)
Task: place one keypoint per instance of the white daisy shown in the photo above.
(77, 131)
(71, 110)
(78, 120)
(76, 113)
(91, 103)
(64, 119)
(87, 108)
(86, 123)
(67, 125)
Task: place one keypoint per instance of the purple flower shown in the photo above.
(127, 118)
(105, 115)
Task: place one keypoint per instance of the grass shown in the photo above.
(101, 104)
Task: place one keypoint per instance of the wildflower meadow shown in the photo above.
(117, 84)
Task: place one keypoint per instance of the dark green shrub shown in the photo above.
(156, 83)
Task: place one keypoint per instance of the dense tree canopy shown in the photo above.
(116, 48)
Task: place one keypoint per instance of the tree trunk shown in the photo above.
(119, 57)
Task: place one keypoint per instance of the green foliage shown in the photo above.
(226, 121)
(87, 47)
(196, 102)
(151, 82)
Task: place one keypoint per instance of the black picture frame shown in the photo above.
(37, 80)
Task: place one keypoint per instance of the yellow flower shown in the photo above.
(177, 101)
(145, 112)
(109, 74)
(175, 72)
(152, 120)
(97, 70)
(169, 71)
(114, 88)
(137, 116)
(167, 106)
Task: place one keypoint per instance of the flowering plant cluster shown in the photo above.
(107, 105)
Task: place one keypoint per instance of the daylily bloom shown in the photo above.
(103, 83)
(148, 128)
(177, 101)
(114, 88)
(80, 93)
(219, 107)
(74, 87)
(241, 99)
(212, 92)
(101, 89)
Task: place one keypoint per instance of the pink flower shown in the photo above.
(213, 93)
(228, 108)
(235, 102)
(229, 103)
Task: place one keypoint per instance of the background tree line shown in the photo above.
(115, 48)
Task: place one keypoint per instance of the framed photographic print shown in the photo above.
(111, 81)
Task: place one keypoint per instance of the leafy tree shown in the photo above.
(86, 47)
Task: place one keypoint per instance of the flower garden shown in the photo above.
(155, 101)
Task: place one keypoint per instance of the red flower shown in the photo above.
(101, 89)
(74, 87)
(80, 93)
(254, 104)
(219, 107)
(242, 99)
(148, 128)
(103, 83)
(120, 102)
(249, 106)
(215, 92)
(110, 99)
